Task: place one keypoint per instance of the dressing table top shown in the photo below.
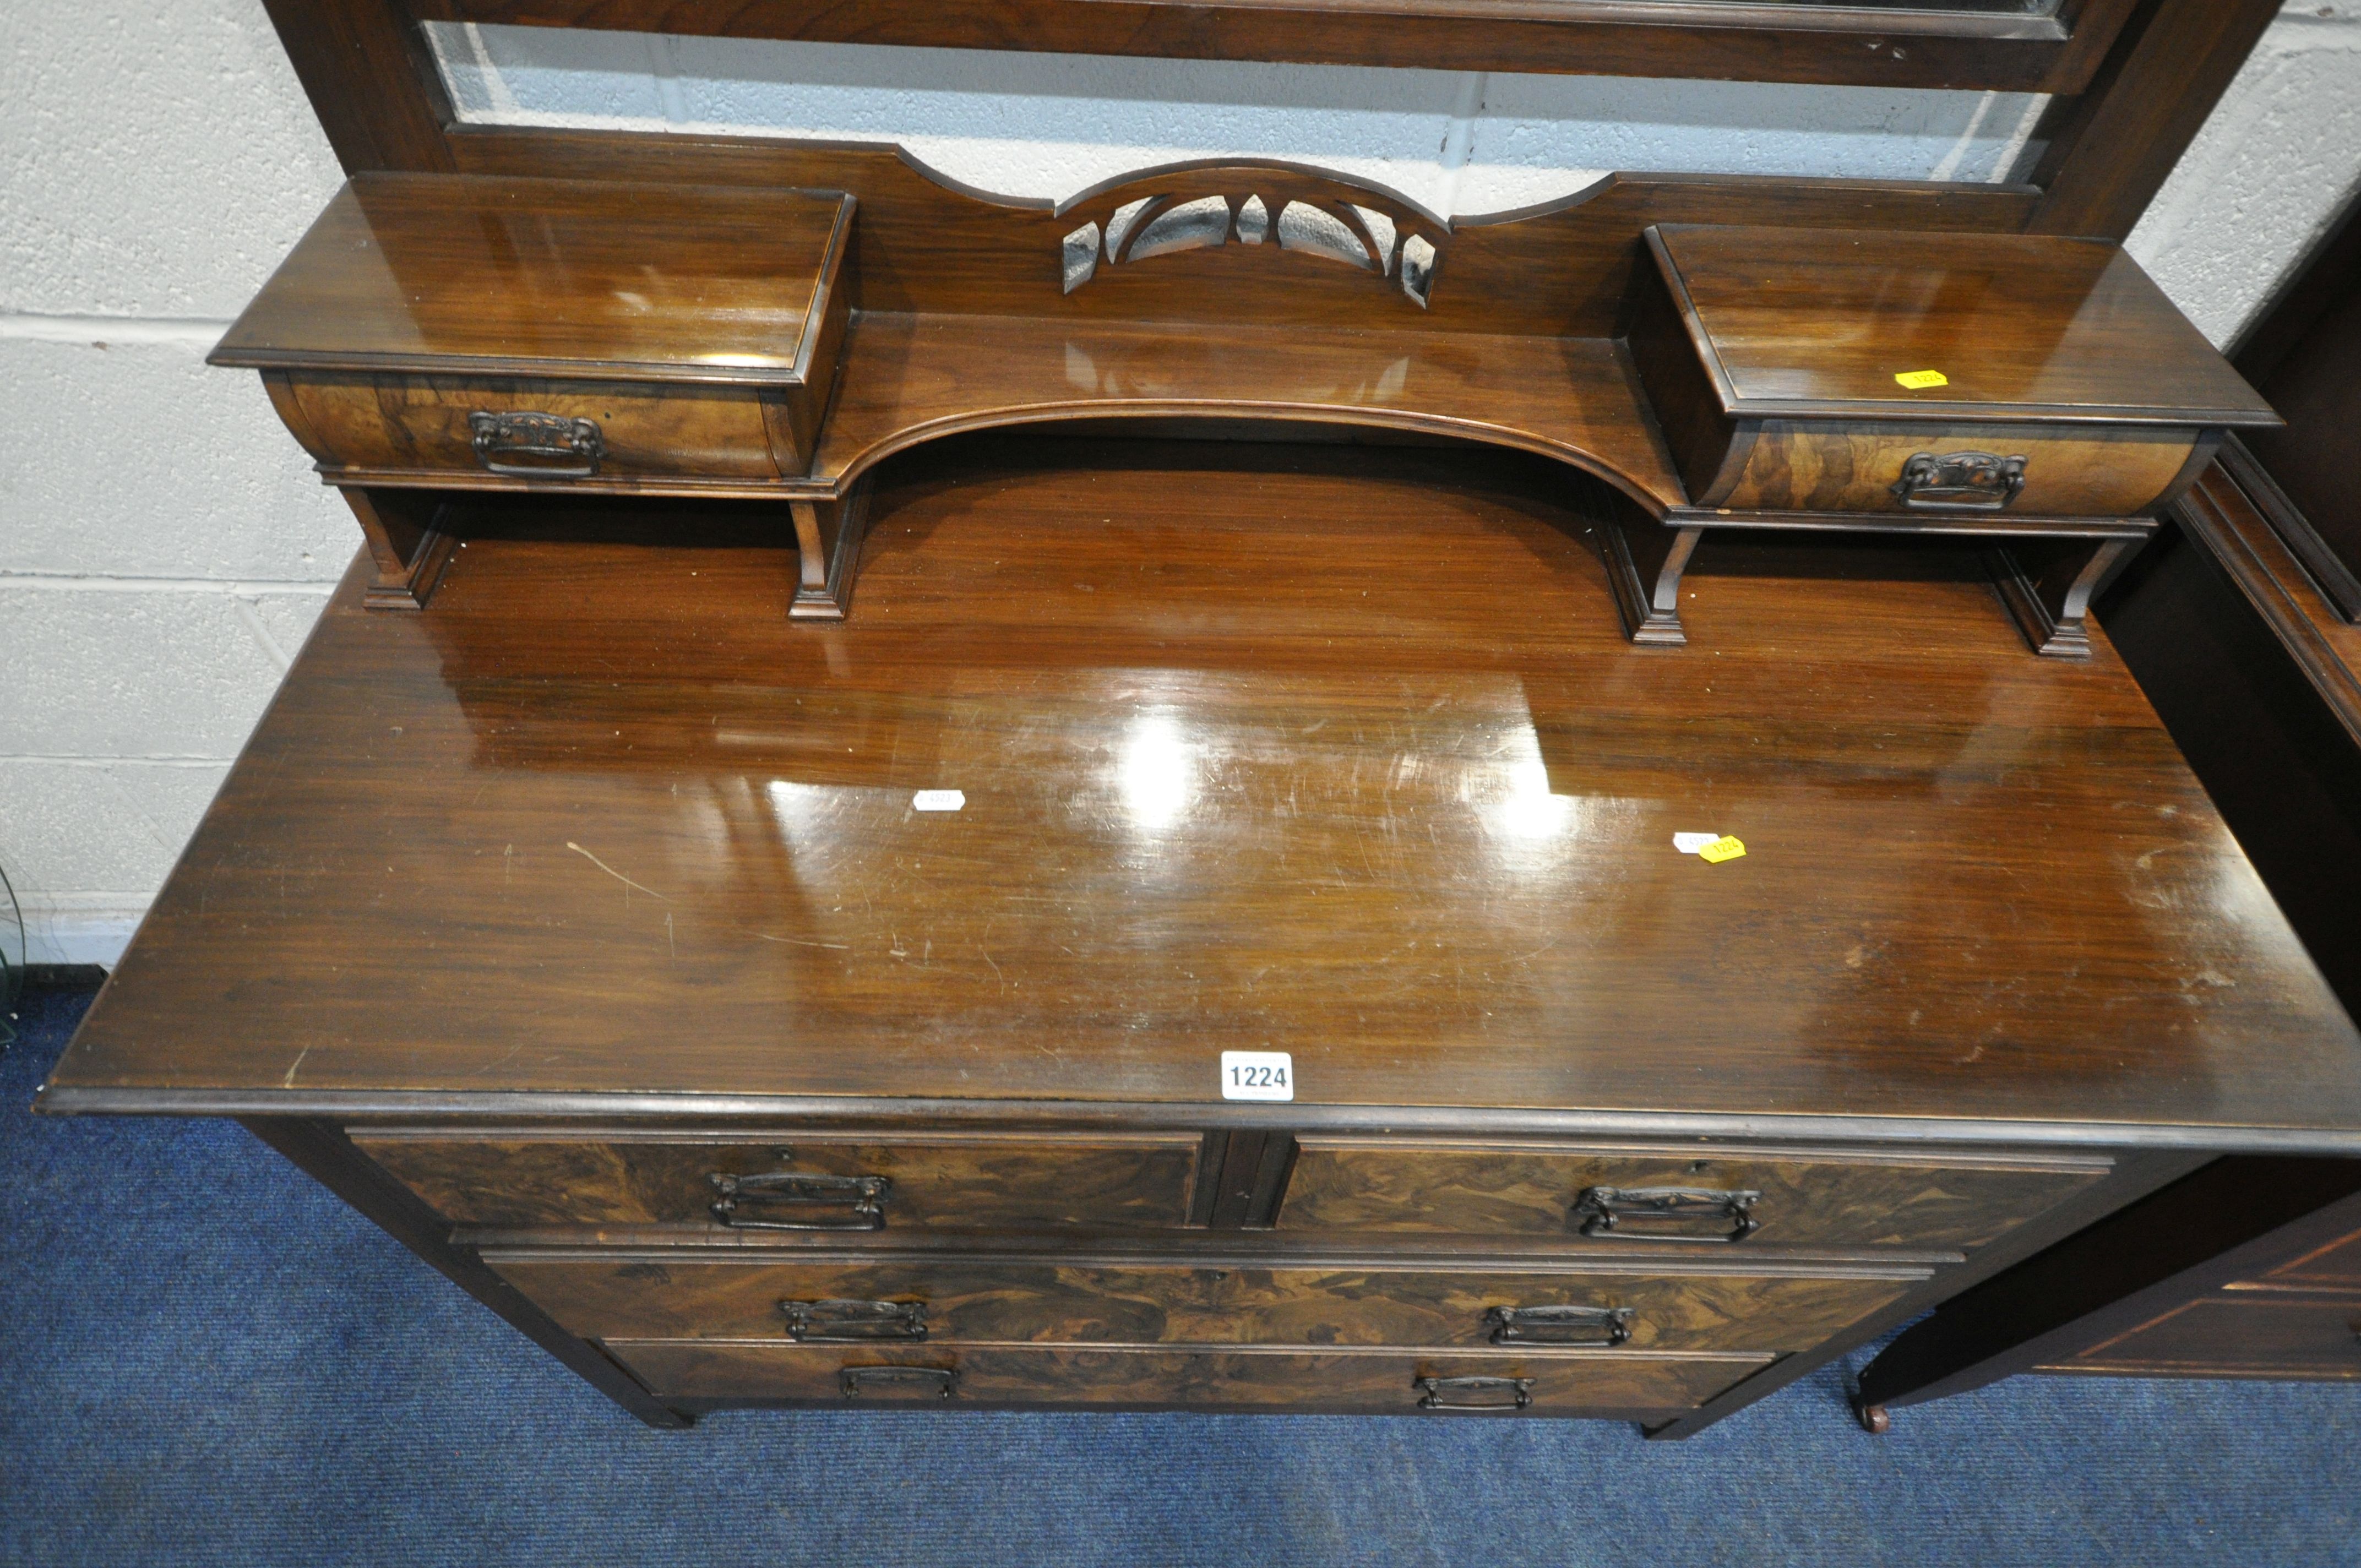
(604, 831)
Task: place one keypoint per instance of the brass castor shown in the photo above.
(1872, 1418)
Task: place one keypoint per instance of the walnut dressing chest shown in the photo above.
(587, 932)
(1217, 928)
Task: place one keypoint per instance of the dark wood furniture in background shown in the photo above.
(583, 926)
(583, 931)
(2250, 1267)
(2234, 625)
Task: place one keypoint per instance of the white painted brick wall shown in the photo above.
(163, 545)
(164, 548)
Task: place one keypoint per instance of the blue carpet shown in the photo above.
(210, 1360)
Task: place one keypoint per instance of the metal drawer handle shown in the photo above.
(564, 448)
(861, 1382)
(1560, 1324)
(830, 1203)
(1960, 481)
(843, 1323)
(1474, 1393)
(1665, 1214)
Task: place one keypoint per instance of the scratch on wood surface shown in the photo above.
(995, 973)
(289, 1081)
(799, 942)
(612, 871)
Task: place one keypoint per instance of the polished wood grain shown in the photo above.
(1808, 1197)
(979, 1181)
(911, 379)
(576, 278)
(1849, 465)
(1374, 1382)
(1819, 322)
(672, 1295)
(1957, 46)
(1252, 759)
(2230, 1336)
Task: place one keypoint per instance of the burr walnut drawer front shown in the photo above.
(1648, 1197)
(463, 428)
(1498, 1382)
(797, 1182)
(1934, 472)
(937, 1299)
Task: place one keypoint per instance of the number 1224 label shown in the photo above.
(1258, 1075)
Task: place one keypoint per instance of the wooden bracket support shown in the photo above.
(407, 542)
(2051, 600)
(827, 546)
(1645, 563)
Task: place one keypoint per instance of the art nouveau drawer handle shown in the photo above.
(844, 1323)
(1559, 1324)
(557, 447)
(863, 1382)
(1960, 481)
(1474, 1393)
(785, 1200)
(1665, 1214)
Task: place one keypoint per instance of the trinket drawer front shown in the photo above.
(1196, 1268)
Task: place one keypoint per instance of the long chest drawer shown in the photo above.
(796, 1181)
(935, 1298)
(1496, 1383)
(1647, 1197)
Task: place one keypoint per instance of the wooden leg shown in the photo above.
(1644, 562)
(828, 547)
(322, 1151)
(2051, 600)
(405, 541)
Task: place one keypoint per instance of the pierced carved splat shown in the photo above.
(1283, 207)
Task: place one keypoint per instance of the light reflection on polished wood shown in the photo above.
(1330, 750)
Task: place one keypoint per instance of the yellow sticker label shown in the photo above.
(1722, 848)
(1918, 381)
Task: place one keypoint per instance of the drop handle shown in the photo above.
(552, 446)
(1665, 1214)
(854, 1323)
(1474, 1393)
(1958, 481)
(795, 1200)
(1560, 1324)
(902, 1381)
